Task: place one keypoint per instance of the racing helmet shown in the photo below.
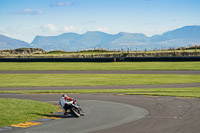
(64, 95)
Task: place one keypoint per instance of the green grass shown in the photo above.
(23, 80)
(180, 92)
(12, 66)
(83, 52)
(14, 111)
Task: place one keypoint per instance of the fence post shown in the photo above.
(115, 59)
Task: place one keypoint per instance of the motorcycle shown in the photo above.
(73, 108)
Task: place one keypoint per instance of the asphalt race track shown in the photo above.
(103, 87)
(166, 114)
(112, 113)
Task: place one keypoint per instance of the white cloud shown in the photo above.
(1, 29)
(103, 29)
(174, 19)
(49, 28)
(79, 30)
(29, 12)
(54, 30)
(71, 28)
(61, 3)
(6, 34)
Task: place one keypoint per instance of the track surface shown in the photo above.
(96, 118)
(102, 72)
(103, 87)
(166, 114)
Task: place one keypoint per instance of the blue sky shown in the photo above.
(24, 19)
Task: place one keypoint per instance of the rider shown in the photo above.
(65, 98)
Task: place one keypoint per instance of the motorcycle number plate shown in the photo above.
(68, 111)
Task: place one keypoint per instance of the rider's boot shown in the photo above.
(82, 113)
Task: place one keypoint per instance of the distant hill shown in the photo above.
(95, 39)
(54, 42)
(9, 43)
(90, 40)
(177, 38)
(187, 32)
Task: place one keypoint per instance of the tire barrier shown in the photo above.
(56, 59)
(119, 59)
(161, 59)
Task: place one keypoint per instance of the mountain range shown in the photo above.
(9, 43)
(95, 39)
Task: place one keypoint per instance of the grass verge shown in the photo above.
(177, 92)
(12, 66)
(31, 80)
(14, 111)
(180, 92)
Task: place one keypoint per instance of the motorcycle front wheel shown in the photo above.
(75, 112)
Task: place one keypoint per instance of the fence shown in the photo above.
(117, 59)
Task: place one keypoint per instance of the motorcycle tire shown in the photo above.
(75, 112)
